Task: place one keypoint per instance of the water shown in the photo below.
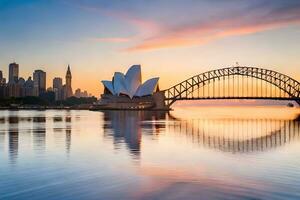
(192, 153)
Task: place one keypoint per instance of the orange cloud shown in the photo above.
(153, 35)
(201, 33)
(143, 26)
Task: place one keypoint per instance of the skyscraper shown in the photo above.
(29, 87)
(58, 88)
(57, 83)
(78, 93)
(39, 79)
(13, 72)
(2, 85)
(69, 77)
(68, 92)
(13, 88)
(2, 80)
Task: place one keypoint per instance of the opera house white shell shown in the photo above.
(130, 84)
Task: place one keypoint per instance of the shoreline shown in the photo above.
(44, 108)
(76, 108)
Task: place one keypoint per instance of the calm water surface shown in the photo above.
(191, 153)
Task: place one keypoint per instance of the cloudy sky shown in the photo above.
(173, 39)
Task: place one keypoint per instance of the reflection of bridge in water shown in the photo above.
(228, 135)
(238, 135)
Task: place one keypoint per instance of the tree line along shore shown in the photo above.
(46, 102)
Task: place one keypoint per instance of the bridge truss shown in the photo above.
(235, 83)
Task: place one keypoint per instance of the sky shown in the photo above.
(173, 40)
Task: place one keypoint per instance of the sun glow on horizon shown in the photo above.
(98, 38)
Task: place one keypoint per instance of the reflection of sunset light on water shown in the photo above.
(235, 111)
(192, 152)
(235, 128)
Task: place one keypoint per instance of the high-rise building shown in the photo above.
(57, 83)
(78, 93)
(85, 94)
(39, 79)
(14, 90)
(29, 87)
(2, 85)
(69, 77)
(58, 88)
(2, 80)
(13, 72)
(68, 92)
(21, 84)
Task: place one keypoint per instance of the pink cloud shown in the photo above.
(202, 33)
(151, 35)
(143, 26)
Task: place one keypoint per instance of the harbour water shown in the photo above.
(233, 152)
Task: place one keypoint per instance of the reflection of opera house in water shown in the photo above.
(128, 127)
(127, 92)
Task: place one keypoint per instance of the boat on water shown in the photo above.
(290, 105)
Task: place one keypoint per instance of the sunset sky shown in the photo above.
(170, 39)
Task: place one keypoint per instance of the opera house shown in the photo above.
(127, 92)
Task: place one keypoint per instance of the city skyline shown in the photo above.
(98, 37)
(15, 85)
(140, 99)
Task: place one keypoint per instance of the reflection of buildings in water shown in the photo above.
(63, 127)
(127, 126)
(77, 117)
(2, 133)
(68, 120)
(57, 123)
(2, 140)
(233, 135)
(39, 132)
(68, 140)
(13, 138)
(57, 119)
(2, 120)
(13, 144)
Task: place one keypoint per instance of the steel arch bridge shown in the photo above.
(235, 83)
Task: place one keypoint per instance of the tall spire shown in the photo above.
(69, 91)
(69, 71)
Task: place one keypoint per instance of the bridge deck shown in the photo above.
(245, 98)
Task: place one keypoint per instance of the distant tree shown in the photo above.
(48, 97)
(32, 100)
(28, 100)
(73, 101)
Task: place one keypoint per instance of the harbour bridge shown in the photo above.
(238, 82)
